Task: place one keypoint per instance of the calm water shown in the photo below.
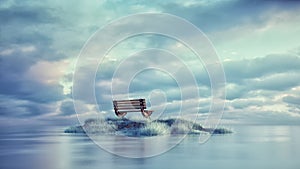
(249, 147)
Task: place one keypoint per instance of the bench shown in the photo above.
(122, 107)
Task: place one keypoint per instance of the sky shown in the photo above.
(257, 43)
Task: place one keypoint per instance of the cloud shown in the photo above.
(40, 41)
(26, 14)
(27, 17)
(250, 81)
(234, 91)
(246, 77)
(257, 89)
(295, 100)
(19, 81)
(48, 72)
(23, 51)
(18, 108)
(67, 108)
(239, 69)
(244, 103)
(225, 15)
(279, 82)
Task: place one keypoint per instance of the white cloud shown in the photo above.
(6, 52)
(48, 72)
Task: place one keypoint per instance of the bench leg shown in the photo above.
(120, 114)
(147, 113)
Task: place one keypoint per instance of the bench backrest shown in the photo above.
(134, 105)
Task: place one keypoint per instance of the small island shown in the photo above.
(143, 128)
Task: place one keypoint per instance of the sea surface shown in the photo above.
(274, 147)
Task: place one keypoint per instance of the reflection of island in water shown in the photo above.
(143, 128)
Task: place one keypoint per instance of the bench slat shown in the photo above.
(133, 110)
(129, 104)
(129, 108)
(133, 106)
(129, 100)
(135, 100)
(138, 103)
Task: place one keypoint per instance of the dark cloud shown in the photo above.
(26, 15)
(11, 73)
(292, 100)
(23, 43)
(41, 93)
(14, 81)
(272, 72)
(20, 24)
(24, 34)
(215, 16)
(67, 108)
(25, 24)
(234, 91)
(275, 82)
(14, 107)
(239, 70)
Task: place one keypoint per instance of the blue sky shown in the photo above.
(257, 42)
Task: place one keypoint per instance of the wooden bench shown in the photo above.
(122, 107)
